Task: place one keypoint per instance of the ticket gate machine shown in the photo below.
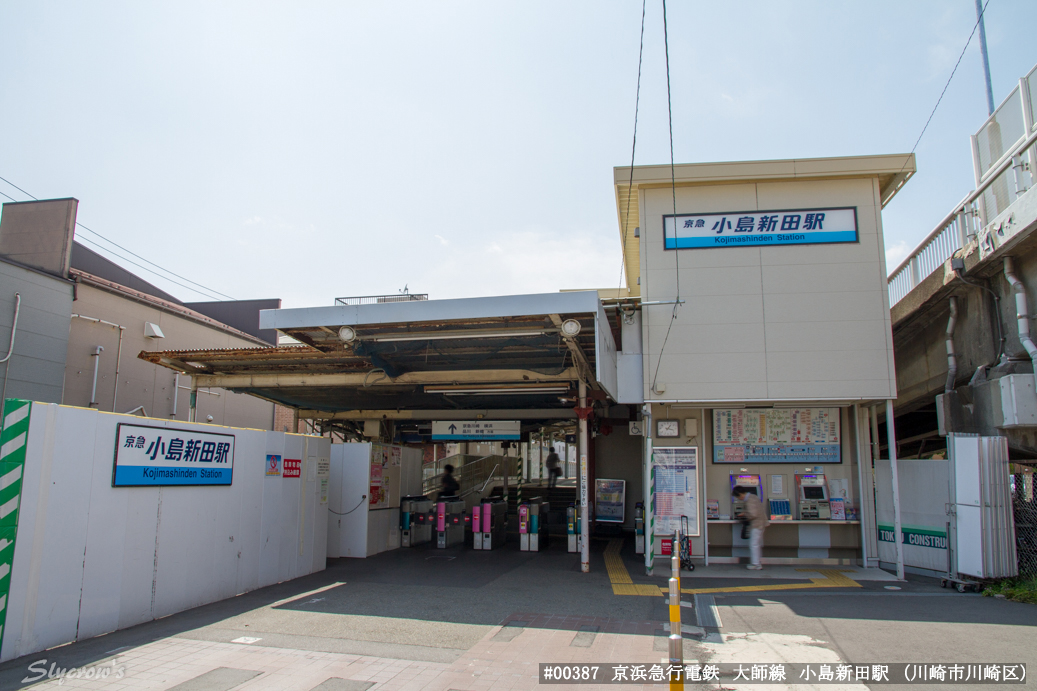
(416, 516)
(449, 523)
(489, 524)
(533, 525)
(812, 497)
(572, 523)
(639, 528)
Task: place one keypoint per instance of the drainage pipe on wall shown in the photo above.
(10, 351)
(118, 358)
(1022, 312)
(952, 361)
(97, 361)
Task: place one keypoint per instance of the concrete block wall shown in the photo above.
(88, 558)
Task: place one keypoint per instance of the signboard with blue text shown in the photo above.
(153, 456)
(476, 430)
(761, 228)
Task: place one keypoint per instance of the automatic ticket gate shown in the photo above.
(533, 525)
(572, 524)
(416, 517)
(449, 523)
(489, 524)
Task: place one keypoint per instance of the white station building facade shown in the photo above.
(751, 346)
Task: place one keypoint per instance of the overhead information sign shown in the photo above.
(477, 430)
(148, 456)
(776, 435)
(755, 228)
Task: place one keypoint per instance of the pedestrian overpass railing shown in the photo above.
(1004, 162)
(471, 472)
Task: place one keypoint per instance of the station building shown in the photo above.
(751, 345)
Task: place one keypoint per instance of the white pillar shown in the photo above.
(891, 440)
(585, 532)
(649, 496)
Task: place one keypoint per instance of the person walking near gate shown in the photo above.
(450, 486)
(553, 471)
(757, 523)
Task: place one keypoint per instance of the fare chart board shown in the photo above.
(777, 435)
(676, 489)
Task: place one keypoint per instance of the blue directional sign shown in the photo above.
(477, 430)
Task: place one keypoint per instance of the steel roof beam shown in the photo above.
(361, 379)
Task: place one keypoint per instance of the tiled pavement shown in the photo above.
(499, 661)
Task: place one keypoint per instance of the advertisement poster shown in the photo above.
(377, 498)
(609, 500)
(676, 489)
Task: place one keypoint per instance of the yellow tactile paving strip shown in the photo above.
(622, 584)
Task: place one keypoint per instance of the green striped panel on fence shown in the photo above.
(13, 438)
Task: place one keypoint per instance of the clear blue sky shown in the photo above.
(321, 149)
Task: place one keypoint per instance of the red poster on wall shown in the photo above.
(292, 467)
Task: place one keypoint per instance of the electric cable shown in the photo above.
(141, 266)
(362, 498)
(997, 312)
(208, 292)
(633, 148)
(673, 193)
(940, 99)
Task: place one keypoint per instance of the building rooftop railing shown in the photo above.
(378, 299)
(999, 152)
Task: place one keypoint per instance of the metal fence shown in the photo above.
(379, 299)
(1004, 162)
(1024, 506)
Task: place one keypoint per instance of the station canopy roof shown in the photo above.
(428, 359)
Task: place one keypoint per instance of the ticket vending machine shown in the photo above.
(449, 523)
(533, 525)
(812, 497)
(639, 528)
(415, 520)
(490, 528)
(751, 483)
(572, 524)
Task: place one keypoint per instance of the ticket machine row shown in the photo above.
(446, 522)
(811, 497)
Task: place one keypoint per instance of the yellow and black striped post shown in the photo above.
(676, 640)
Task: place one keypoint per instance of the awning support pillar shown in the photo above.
(891, 440)
(585, 533)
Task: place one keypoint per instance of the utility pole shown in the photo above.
(986, 59)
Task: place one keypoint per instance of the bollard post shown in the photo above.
(676, 642)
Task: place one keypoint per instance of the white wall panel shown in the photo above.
(91, 558)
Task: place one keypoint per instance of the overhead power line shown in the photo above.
(633, 148)
(206, 291)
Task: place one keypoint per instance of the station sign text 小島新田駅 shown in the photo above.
(756, 228)
(151, 456)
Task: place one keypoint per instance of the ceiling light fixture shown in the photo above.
(347, 334)
(571, 327)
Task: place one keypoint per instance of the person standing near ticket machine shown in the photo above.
(757, 523)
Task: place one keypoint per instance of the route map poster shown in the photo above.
(777, 435)
(676, 489)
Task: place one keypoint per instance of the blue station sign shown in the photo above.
(761, 228)
(153, 456)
